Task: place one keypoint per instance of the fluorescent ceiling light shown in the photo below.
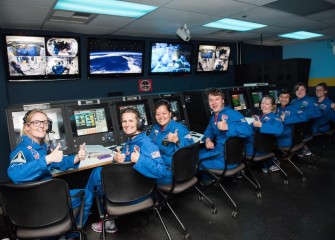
(108, 7)
(300, 35)
(233, 24)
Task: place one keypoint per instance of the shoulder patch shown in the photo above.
(18, 158)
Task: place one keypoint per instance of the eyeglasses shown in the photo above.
(38, 123)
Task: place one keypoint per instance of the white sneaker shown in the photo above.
(110, 226)
(274, 168)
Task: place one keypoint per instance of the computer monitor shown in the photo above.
(178, 107)
(55, 112)
(239, 101)
(141, 104)
(91, 122)
(256, 98)
(274, 93)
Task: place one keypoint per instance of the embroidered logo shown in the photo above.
(35, 154)
(137, 148)
(18, 158)
(155, 154)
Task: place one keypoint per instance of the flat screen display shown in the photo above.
(256, 98)
(274, 94)
(42, 58)
(140, 108)
(239, 101)
(90, 121)
(115, 57)
(170, 58)
(212, 58)
(57, 135)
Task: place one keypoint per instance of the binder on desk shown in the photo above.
(97, 151)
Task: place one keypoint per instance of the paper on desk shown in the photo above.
(97, 150)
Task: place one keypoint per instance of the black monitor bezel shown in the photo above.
(113, 75)
(45, 77)
(108, 113)
(171, 73)
(216, 46)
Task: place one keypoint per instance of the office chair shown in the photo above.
(41, 209)
(184, 167)
(298, 133)
(123, 190)
(323, 138)
(266, 145)
(234, 153)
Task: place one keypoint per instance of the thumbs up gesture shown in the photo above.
(173, 137)
(55, 156)
(257, 122)
(119, 156)
(135, 155)
(82, 152)
(222, 125)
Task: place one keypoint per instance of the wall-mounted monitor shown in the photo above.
(91, 122)
(142, 105)
(55, 112)
(36, 58)
(115, 57)
(212, 58)
(168, 58)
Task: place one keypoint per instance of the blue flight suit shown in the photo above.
(28, 163)
(271, 124)
(150, 163)
(292, 115)
(167, 149)
(308, 105)
(321, 124)
(237, 126)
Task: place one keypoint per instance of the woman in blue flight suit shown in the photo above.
(169, 135)
(289, 115)
(30, 161)
(224, 123)
(268, 123)
(321, 124)
(305, 103)
(139, 149)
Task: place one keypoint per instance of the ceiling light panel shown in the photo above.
(108, 7)
(233, 24)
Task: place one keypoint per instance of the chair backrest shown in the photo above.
(264, 143)
(121, 183)
(36, 204)
(298, 133)
(234, 150)
(185, 162)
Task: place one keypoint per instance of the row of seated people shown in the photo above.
(151, 154)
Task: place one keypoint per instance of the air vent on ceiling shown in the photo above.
(73, 17)
(224, 32)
